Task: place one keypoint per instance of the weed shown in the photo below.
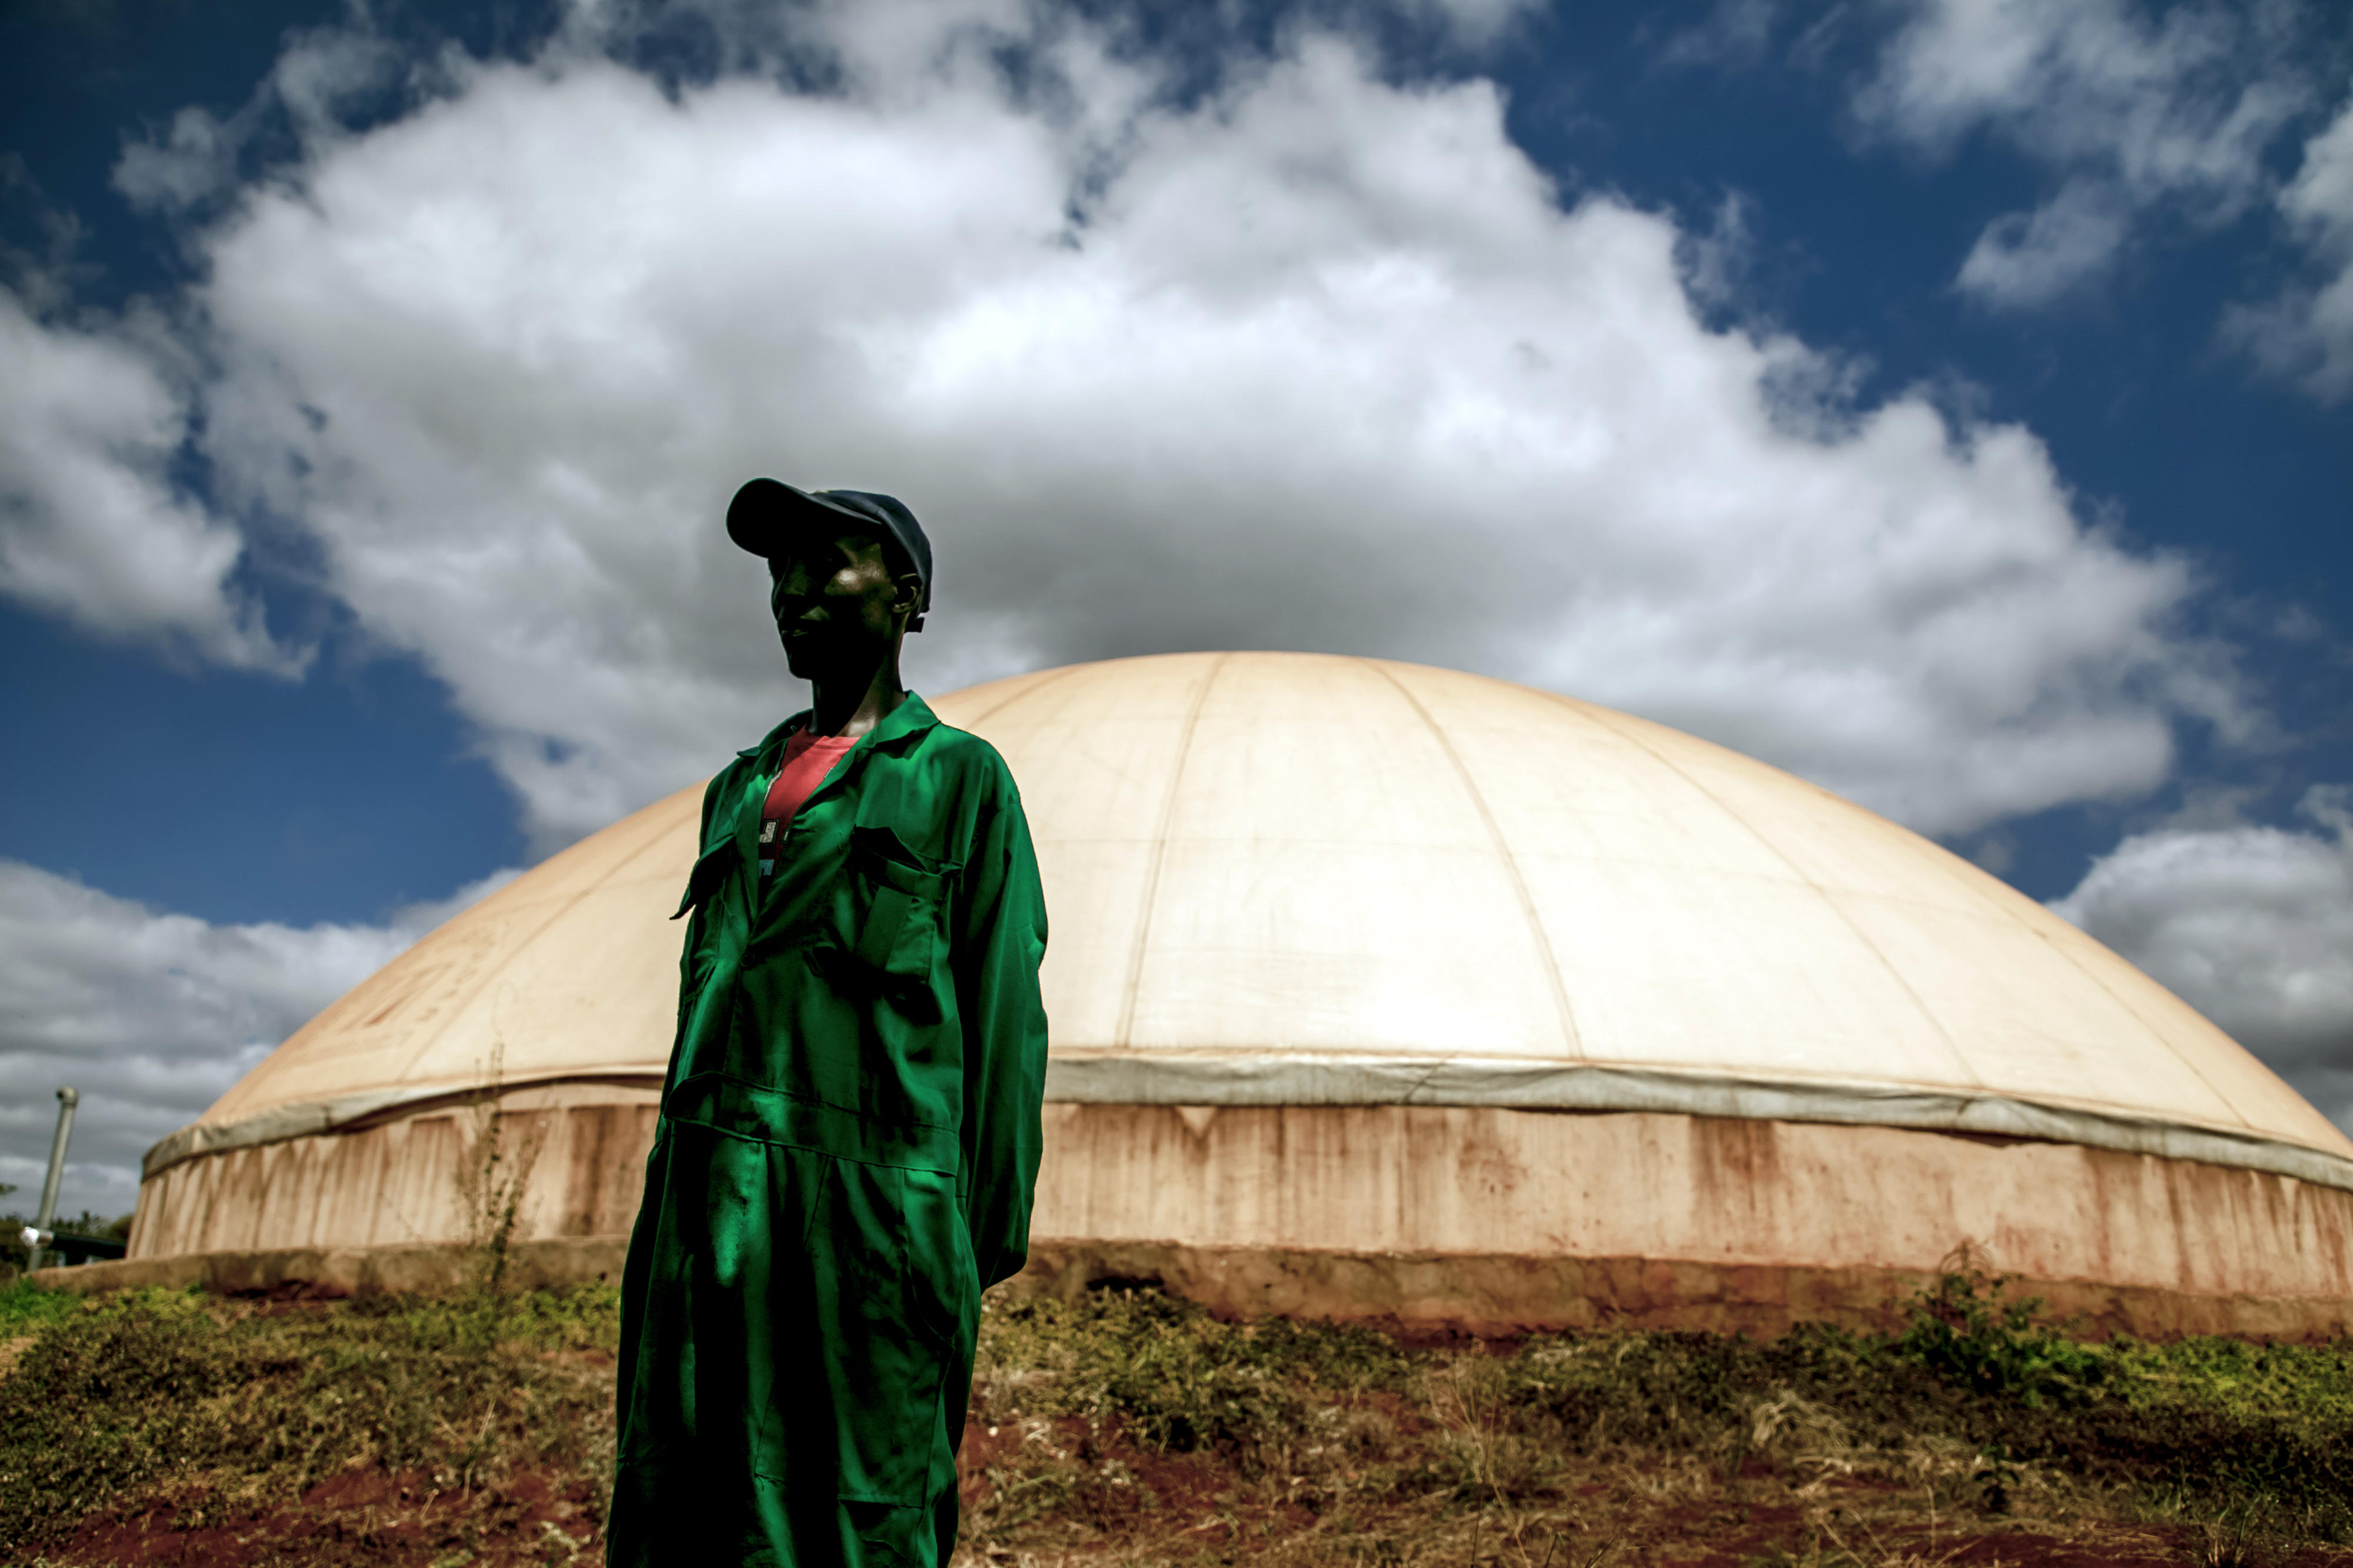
(26, 1307)
(2241, 1537)
(125, 1396)
(1138, 1428)
(1173, 1377)
(1965, 1327)
(493, 1184)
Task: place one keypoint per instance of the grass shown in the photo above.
(216, 1412)
(1131, 1427)
(26, 1310)
(1345, 1447)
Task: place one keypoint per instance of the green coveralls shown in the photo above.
(847, 1141)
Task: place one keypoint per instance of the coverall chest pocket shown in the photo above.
(703, 887)
(898, 909)
(703, 880)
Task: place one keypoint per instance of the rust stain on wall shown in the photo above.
(1476, 1215)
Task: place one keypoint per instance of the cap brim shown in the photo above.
(768, 514)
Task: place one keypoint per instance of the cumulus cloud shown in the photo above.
(2306, 334)
(1311, 359)
(91, 526)
(151, 1016)
(2253, 926)
(2134, 108)
(99, 524)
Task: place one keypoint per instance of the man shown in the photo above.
(849, 1125)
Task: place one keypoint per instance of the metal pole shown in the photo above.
(67, 1100)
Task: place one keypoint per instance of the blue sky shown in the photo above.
(1951, 402)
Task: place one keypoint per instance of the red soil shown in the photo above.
(1140, 1503)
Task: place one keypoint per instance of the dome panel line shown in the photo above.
(1570, 1036)
(1603, 716)
(1167, 817)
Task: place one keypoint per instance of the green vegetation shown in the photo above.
(1976, 1405)
(1134, 1427)
(24, 1308)
(225, 1410)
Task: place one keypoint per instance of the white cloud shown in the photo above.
(2306, 334)
(504, 357)
(151, 1017)
(2135, 109)
(2252, 925)
(91, 527)
(195, 159)
(1318, 361)
(1479, 23)
(2025, 259)
(1733, 36)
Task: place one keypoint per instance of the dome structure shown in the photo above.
(1378, 989)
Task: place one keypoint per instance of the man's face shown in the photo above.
(836, 604)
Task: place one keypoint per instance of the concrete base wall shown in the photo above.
(1486, 1217)
(1487, 1294)
(1725, 1192)
(572, 1157)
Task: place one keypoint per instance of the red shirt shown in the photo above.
(807, 759)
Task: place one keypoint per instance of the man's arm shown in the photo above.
(999, 940)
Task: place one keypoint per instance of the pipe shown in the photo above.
(66, 1100)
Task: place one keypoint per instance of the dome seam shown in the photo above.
(1919, 1003)
(1160, 852)
(455, 1006)
(1565, 1009)
(2155, 1033)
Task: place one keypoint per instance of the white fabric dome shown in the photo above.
(1295, 881)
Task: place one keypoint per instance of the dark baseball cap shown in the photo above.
(768, 514)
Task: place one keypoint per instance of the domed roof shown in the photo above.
(1302, 879)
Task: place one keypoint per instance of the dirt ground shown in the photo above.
(1131, 1428)
(365, 1517)
(1111, 1502)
